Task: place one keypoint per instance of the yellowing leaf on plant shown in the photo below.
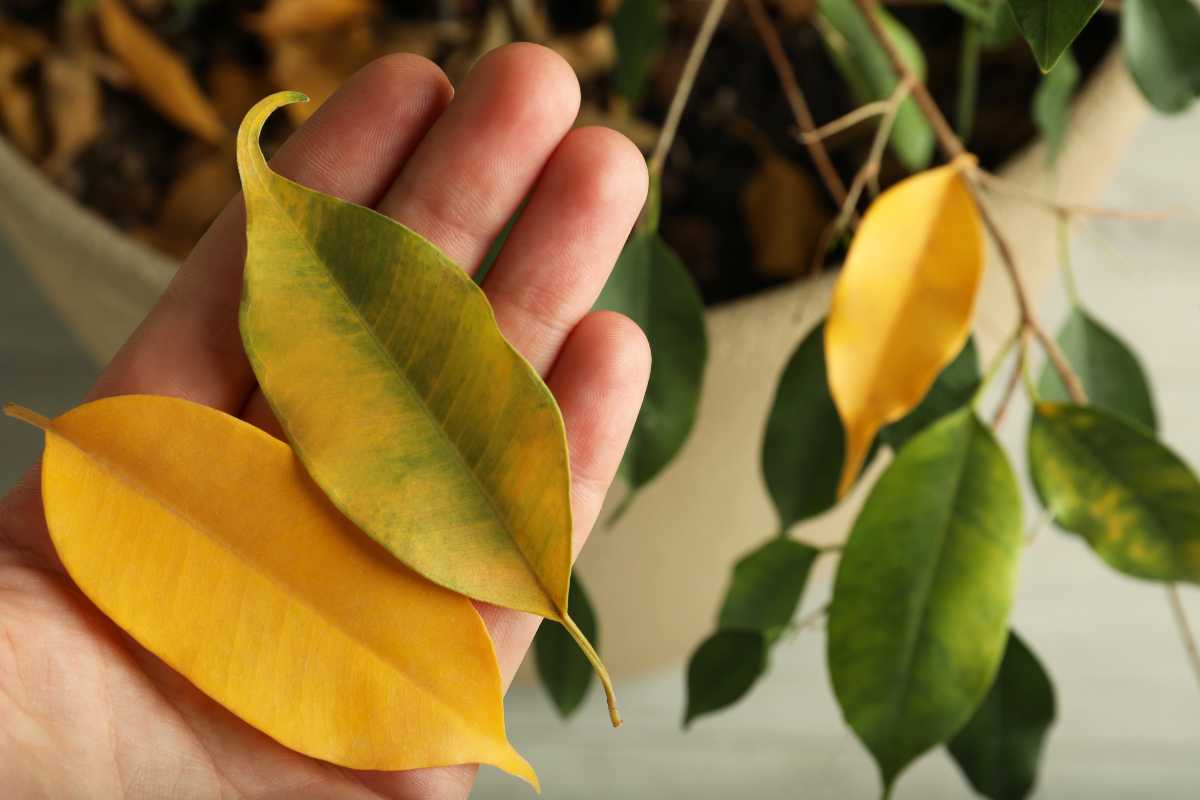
(203, 538)
(903, 304)
(159, 74)
(384, 364)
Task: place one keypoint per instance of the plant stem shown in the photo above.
(1185, 628)
(795, 97)
(1064, 259)
(1014, 381)
(594, 659)
(688, 79)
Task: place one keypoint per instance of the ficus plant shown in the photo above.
(920, 649)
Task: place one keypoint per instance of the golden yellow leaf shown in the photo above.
(290, 17)
(384, 364)
(205, 540)
(159, 74)
(903, 304)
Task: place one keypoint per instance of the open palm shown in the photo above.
(85, 711)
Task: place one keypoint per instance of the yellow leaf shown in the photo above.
(903, 304)
(385, 366)
(160, 75)
(205, 540)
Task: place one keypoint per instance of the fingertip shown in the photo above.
(531, 80)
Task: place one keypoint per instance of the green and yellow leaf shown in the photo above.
(392, 381)
(204, 539)
(1132, 499)
(919, 617)
(564, 671)
(903, 305)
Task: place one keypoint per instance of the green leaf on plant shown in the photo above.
(1052, 104)
(865, 67)
(919, 618)
(804, 441)
(1160, 39)
(563, 669)
(1110, 372)
(722, 670)
(766, 588)
(952, 390)
(1109, 480)
(638, 33)
(1051, 25)
(651, 286)
(1000, 748)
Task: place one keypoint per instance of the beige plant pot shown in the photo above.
(656, 578)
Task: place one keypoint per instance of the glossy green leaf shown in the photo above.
(1111, 482)
(384, 364)
(722, 671)
(1160, 40)
(1000, 748)
(921, 601)
(952, 390)
(651, 286)
(804, 444)
(1052, 104)
(564, 671)
(1051, 25)
(638, 34)
(864, 65)
(766, 587)
(1110, 372)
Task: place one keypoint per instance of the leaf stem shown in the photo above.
(594, 659)
(1185, 628)
(797, 101)
(1064, 259)
(993, 367)
(688, 79)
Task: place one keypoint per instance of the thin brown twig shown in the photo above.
(795, 97)
(1014, 380)
(1185, 628)
(1003, 186)
(686, 81)
(846, 122)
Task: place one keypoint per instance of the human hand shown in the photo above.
(84, 710)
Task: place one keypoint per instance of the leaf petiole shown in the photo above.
(597, 664)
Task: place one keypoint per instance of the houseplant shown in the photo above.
(659, 158)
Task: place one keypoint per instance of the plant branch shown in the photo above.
(795, 97)
(846, 122)
(686, 81)
(1185, 628)
(1003, 186)
(1014, 380)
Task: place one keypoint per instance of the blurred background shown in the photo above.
(106, 180)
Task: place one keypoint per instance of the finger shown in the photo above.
(563, 247)
(189, 345)
(599, 381)
(483, 155)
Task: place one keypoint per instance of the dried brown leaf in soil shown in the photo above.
(295, 17)
(158, 73)
(27, 41)
(234, 89)
(18, 103)
(318, 63)
(785, 213)
(73, 110)
(797, 10)
(590, 53)
(192, 202)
